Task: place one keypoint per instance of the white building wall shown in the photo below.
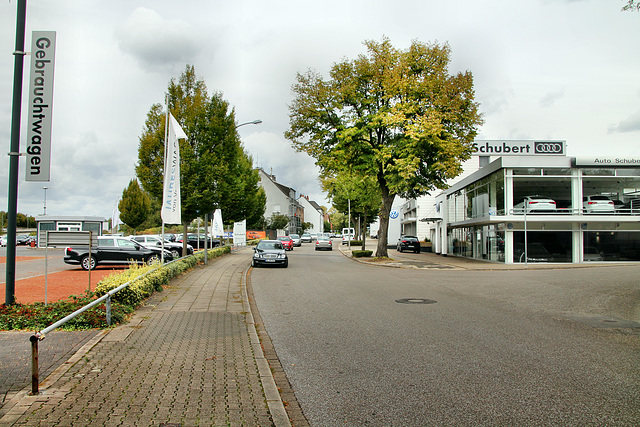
(277, 201)
(312, 215)
(427, 203)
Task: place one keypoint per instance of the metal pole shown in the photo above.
(45, 200)
(349, 225)
(90, 259)
(14, 153)
(526, 244)
(35, 380)
(107, 304)
(206, 237)
(46, 267)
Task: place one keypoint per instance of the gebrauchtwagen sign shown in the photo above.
(518, 148)
(43, 47)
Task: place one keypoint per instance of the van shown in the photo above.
(347, 235)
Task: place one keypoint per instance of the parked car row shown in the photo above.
(155, 241)
(114, 250)
(595, 203)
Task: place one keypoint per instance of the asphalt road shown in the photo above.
(540, 347)
(36, 266)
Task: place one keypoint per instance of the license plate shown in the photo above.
(270, 260)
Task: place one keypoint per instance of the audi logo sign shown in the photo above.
(518, 148)
(549, 148)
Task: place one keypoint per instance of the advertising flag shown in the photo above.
(171, 207)
(217, 228)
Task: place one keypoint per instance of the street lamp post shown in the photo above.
(45, 200)
(255, 122)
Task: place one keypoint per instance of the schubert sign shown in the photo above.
(43, 47)
(518, 148)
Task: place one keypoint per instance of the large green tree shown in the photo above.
(134, 205)
(215, 171)
(396, 115)
(358, 195)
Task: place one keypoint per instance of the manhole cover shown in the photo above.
(415, 301)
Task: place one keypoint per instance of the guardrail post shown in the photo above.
(34, 364)
(108, 306)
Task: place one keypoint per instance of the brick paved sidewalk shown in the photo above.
(190, 357)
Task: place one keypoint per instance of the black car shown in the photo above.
(114, 250)
(23, 239)
(408, 243)
(269, 252)
(198, 241)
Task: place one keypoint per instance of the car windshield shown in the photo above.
(294, 236)
(269, 245)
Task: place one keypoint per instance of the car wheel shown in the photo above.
(286, 264)
(175, 253)
(417, 251)
(253, 263)
(399, 248)
(153, 259)
(88, 263)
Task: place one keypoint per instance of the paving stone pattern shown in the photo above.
(15, 357)
(188, 362)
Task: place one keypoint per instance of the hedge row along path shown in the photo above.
(60, 284)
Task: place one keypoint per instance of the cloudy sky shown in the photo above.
(543, 69)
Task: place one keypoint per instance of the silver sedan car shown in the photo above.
(323, 242)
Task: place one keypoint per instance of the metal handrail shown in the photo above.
(40, 335)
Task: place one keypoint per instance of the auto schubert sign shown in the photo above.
(518, 148)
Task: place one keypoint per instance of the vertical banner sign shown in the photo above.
(217, 227)
(171, 207)
(43, 48)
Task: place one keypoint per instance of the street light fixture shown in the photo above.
(255, 122)
(45, 200)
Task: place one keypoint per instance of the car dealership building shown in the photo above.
(490, 214)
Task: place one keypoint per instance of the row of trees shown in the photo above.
(215, 170)
(22, 220)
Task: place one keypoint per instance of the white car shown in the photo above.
(3, 240)
(296, 239)
(156, 241)
(534, 204)
(597, 203)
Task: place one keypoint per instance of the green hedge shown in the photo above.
(360, 253)
(37, 316)
(141, 289)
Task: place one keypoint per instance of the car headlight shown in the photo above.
(282, 255)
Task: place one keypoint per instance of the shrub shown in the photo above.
(360, 253)
(37, 316)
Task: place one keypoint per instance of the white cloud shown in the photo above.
(628, 124)
(157, 42)
(550, 98)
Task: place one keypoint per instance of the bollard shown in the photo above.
(108, 308)
(34, 364)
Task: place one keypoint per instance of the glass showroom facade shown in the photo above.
(543, 209)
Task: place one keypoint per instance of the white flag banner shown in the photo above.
(240, 233)
(217, 227)
(171, 207)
